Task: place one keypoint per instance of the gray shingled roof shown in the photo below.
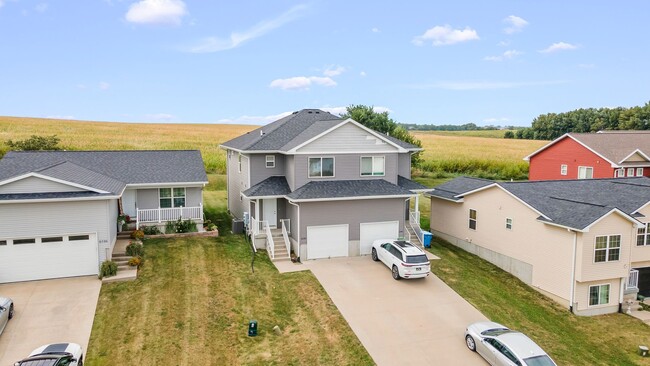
(571, 203)
(347, 189)
(108, 170)
(50, 195)
(410, 185)
(272, 186)
(291, 131)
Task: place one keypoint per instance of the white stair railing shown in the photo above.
(285, 235)
(270, 246)
(414, 220)
(632, 280)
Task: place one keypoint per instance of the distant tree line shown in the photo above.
(463, 127)
(553, 125)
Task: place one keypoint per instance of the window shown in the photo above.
(24, 241)
(172, 197)
(608, 248)
(53, 239)
(239, 163)
(508, 224)
(270, 161)
(472, 219)
(563, 169)
(321, 167)
(78, 237)
(585, 172)
(619, 173)
(643, 235)
(639, 172)
(3, 242)
(630, 172)
(372, 165)
(598, 295)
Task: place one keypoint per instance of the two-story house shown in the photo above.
(606, 154)
(583, 243)
(320, 186)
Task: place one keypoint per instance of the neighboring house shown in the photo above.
(583, 243)
(606, 154)
(59, 209)
(321, 186)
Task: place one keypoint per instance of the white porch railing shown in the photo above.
(160, 215)
(270, 246)
(632, 280)
(414, 221)
(407, 233)
(285, 235)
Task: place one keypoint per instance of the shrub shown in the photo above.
(107, 269)
(150, 230)
(136, 261)
(170, 227)
(137, 234)
(134, 249)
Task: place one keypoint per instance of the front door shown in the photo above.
(271, 212)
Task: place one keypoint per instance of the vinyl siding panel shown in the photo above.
(193, 196)
(36, 185)
(147, 198)
(640, 256)
(290, 171)
(259, 171)
(404, 165)
(347, 138)
(581, 305)
(546, 164)
(346, 167)
(237, 183)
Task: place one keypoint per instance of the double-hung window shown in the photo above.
(598, 295)
(472, 219)
(563, 169)
(639, 172)
(643, 235)
(619, 173)
(239, 163)
(630, 172)
(172, 197)
(508, 224)
(585, 172)
(373, 165)
(270, 161)
(608, 248)
(321, 167)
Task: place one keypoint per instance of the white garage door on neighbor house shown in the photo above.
(35, 258)
(371, 231)
(327, 241)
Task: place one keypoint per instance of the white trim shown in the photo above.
(627, 172)
(166, 185)
(260, 152)
(267, 161)
(586, 168)
(615, 210)
(505, 190)
(562, 226)
(564, 169)
(172, 196)
(608, 295)
(637, 172)
(637, 151)
(619, 173)
(239, 163)
(607, 248)
(52, 179)
(349, 198)
(527, 158)
(469, 218)
(511, 223)
(372, 163)
(356, 152)
(44, 200)
(460, 200)
(641, 208)
(321, 167)
(572, 291)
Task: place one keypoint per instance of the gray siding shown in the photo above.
(29, 220)
(348, 138)
(346, 167)
(404, 165)
(112, 223)
(259, 171)
(290, 171)
(147, 198)
(193, 196)
(237, 183)
(36, 185)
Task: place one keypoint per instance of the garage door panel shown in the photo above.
(371, 231)
(26, 262)
(327, 241)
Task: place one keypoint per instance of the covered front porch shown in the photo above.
(269, 226)
(159, 205)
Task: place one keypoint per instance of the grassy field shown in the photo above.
(571, 340)
(192, 302)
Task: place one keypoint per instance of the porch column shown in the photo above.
(257, 215)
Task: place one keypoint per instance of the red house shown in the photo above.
(606, 154)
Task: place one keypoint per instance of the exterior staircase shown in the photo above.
(415, 240)
(124, 271)
(280, 247)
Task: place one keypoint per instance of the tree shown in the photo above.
(509, 135)
(381, 122)
(35, 143)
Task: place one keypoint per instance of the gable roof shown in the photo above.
(613, 146)
(572, 203)
(348, 189)
(294, 130)
(269, 187)
(106, 171)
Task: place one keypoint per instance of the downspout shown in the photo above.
(573, 269)
(298, 226)
(621, 294)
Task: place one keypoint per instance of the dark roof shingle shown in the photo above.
(347, 189)
(272, 186)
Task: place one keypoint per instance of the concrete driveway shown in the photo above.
(49, 311)
(406, 322)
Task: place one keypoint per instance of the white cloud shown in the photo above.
(559, 46)
(104, 85)
(41, 8)
(333, 70)
(375, 30)
(301, 82)
(215, 44)
(515, 24)
(507, 55)
(445, 35)
(483, 85)
(157, 12)
(159, 117)
(362, 73)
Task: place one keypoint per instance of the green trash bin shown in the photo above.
(252, 328)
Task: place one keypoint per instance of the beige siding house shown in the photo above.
(574, 241)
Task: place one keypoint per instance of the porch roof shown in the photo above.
(411, 185)
(353, 189)
(272, 186)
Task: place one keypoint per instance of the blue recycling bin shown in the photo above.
(427, 238)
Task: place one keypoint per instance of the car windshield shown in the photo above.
(495, 332)
(416, 258)
(542, 360)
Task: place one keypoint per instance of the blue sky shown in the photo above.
(437, 62)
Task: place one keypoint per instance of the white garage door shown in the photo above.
(327, 241)
(26, 259)
(371, 231)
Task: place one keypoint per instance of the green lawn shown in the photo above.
(192, 302)
(571, 340)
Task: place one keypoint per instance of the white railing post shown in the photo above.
(159, 213)
(270, 246)
(285, 236)
(201, 209)
(633, 279)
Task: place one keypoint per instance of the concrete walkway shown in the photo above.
(48, 311)
(407, 322)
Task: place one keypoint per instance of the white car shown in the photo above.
(404, 259)
(6, 312)
(55, 354)
(500, 346)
